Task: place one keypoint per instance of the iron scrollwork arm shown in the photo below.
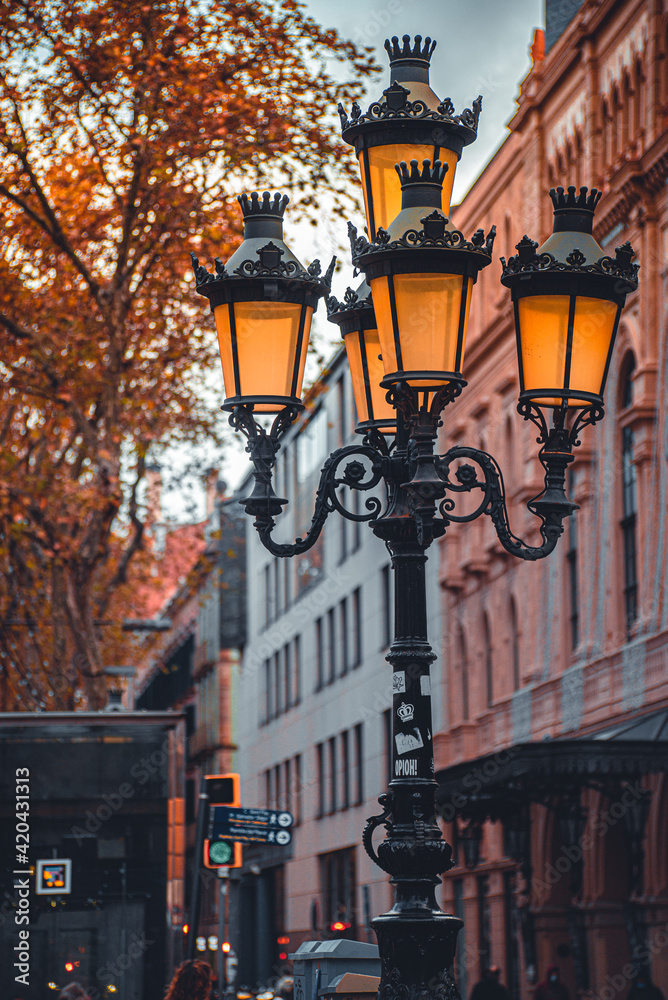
(551, 505)
(263, 503)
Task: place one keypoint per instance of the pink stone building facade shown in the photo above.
(553, 758)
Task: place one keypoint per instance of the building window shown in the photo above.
(345, 640)
(515, 643)
(358, 765)
(287, 785)
(269, 691)
(343, 527)
(297, 790)
(386, 606)
(460, 957)
(279, 682)
(572, 564)
(629, 509)
(355, 526)
(279, 607)
(319, 653)
(288, 675)
(462, 663)
(345, 770)
(320, 763)
(333, 767)
(356, 633)
(489, 659)
(268, 610)
(297, 668)
(339, 887)
(484, 936)
(331, 621)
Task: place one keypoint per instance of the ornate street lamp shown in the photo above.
(568, 296)
(407, 123)
(263, 302)
(421, 272)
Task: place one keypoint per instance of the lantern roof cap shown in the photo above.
(253, 205)
(415, 52)
(584, 201)
(429, 173)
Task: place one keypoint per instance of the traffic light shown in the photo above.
(223, 790)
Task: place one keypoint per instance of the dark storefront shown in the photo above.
(105, 792)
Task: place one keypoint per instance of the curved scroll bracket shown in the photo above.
(551, 505)
(561, 436)
(386, 800)
(344, 468)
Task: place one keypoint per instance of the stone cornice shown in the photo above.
(634, 181)
(559, 61)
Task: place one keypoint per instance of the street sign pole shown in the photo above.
(200, 830)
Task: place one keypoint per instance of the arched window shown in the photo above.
(616, 125)
(639, 103)
(515, 644)
(607, 133)
(628, 129)
(489, 659)
(629, 519)
(578, 152)
(463, 672)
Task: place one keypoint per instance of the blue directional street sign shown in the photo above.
(268, 826)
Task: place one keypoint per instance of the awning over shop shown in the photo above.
(490, 786)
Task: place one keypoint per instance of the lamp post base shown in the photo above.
(417, 953)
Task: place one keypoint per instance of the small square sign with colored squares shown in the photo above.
(53, 876)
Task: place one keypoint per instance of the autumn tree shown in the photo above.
(126, 129)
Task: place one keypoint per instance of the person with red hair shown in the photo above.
(191, 981)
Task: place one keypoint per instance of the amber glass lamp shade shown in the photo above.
(564, 344)
(263, 347)
(422, 321)
(382, 193)
(263, 301)
(421, 278)
(407, 122)
(568, 297)
(356, 318)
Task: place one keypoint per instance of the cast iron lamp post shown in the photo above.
(413, 308)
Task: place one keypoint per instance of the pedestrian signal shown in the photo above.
(222, 853)
(222, 790)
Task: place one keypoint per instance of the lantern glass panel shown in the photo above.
(385, 186)
(544, 340)
(366, 371)
(267, 336)
(428, 310)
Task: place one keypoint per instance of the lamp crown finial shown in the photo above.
(397, 52)
(253, 204)
(585, 201)
(430, 173)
